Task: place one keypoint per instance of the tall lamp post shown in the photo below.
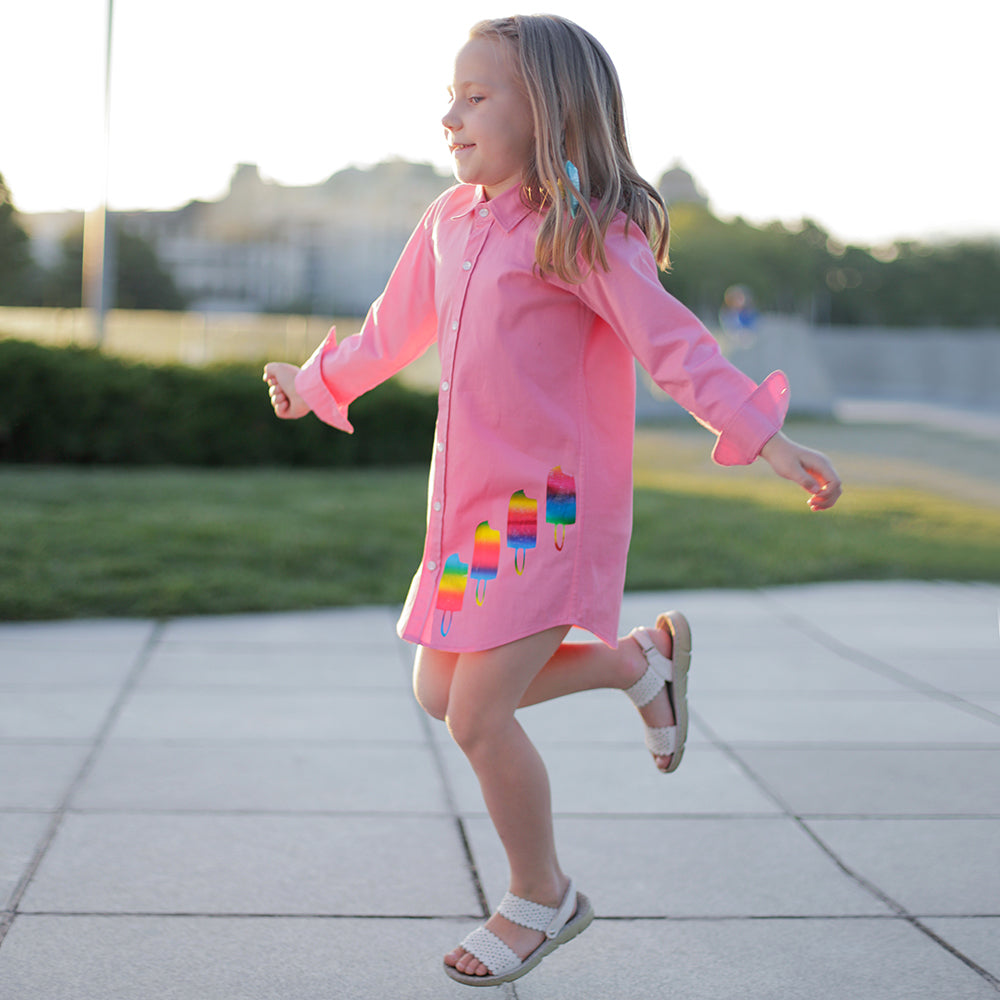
(97, 269)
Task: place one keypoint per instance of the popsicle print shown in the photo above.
(560, 502)
(451, 590)
(522, 527)
(485, 558)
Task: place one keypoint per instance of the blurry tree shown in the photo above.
(803, 271)
(954, 284)
(64, 282)
(782, 267)
(19, 275)
(142, 282)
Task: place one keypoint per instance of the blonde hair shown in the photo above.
(578, 112)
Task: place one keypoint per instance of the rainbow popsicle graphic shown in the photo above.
(560, 502)
(451, 590)
(522, 527)
(485, 558)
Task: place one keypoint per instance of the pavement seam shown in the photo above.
(928, 690)
(875, 665)
(425, 917)
(900, 911)
(451, 803)
(131, 679)
(509, 990)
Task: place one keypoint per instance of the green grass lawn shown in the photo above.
(162, 542)
(167, 542)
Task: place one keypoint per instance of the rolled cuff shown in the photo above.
(310, 386)
(754, 423)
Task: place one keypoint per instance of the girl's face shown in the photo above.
(488, 124)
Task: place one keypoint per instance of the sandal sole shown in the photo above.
(577, 924)
(680, 631)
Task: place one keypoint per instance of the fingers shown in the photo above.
(280, 378)
(825, 497)
(806, 480)
(828, 486)
(812, 470)
(279, 398)
(279, 401)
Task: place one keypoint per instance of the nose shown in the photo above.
(450, 120)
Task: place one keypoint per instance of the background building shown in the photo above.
(265, 247)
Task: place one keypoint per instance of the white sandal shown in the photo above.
(665, 741)
(559, 924)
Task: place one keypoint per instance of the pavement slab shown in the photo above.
(248, 806)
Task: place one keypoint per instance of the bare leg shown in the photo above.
(575, 666)
(486, 689)
(477, 694)
(585, 666)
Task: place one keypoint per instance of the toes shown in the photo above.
(471, 966)
(466, 963)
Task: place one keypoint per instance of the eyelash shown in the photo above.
(474, 100)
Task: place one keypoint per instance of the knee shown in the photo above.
(469, 727)
(462, 730)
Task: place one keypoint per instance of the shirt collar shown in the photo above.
(507, 208)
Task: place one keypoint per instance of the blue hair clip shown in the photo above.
(574, 179)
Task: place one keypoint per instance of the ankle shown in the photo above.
(633, 660)
(547, 891)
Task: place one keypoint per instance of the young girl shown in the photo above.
(537, 277)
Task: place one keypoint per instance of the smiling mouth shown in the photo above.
(457, 147)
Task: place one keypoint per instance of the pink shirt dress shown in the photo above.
(530, 495)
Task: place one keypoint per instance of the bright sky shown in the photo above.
(877, 118)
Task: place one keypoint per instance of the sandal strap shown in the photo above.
(660, 663)
(550, 920)
(493, 952)
(661, 741)
(646, 688)
(659, 670)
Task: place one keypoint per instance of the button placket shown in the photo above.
(453, 324)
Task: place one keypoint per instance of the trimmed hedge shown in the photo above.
(76, 405)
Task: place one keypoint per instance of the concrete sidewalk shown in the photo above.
(249, 808)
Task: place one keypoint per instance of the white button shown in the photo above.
(431, 565)
(454, 324)
(483, 212)
(440, 446)
(437, 504)
(445, 385)
(467, 265)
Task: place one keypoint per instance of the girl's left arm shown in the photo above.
(684, 359)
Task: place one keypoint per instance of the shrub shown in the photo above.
(75, 405)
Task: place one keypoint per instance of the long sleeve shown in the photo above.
(681, 356)
(399, 327)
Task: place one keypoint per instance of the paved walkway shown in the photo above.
(250, 808)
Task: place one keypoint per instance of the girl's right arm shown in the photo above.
(399, 327)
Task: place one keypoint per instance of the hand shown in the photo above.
(287, 403)
(810, 469)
